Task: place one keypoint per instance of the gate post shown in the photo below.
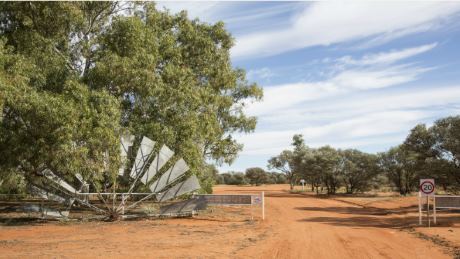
(419, 208)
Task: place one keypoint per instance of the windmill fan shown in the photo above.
(164, 185)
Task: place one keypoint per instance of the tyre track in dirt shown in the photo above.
(303, 226)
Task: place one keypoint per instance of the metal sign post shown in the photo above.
(302, 181)
(420, 208)
(427, 188)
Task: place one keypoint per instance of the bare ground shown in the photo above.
(296, 226)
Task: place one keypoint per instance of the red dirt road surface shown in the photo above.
(296, 226)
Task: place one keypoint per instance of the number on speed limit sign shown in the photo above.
(427, 187)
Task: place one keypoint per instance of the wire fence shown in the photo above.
(16, 206)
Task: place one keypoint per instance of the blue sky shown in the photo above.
(350, 75)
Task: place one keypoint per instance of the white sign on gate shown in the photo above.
(257, 200)
(427, 187)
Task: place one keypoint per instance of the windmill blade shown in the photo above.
(189, 185)
(46, 195)
(46, 211)
(50, 175)
(126, 142)
(52, 197)
(143, 154)
(55, 213)
(160, 160)
(178, 169)
(84, 185)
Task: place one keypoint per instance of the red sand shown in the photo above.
(296, 226)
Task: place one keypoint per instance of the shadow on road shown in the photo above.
(362, 210)
(376, 222)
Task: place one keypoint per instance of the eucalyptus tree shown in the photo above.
(256, 175)
(75, 75)
(399, 166)
(283, 163)
(446, 131)
(437, 149)
(359, 170)
(329, 161)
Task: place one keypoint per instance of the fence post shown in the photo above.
(428, 209)
(419, 208)
(123, 204)
(42, 207)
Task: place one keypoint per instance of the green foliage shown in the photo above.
(435, 152)
(12, 183)
(359, 170)
(432, 152)
(232, 178)
(275, 178)
(70, 87)
(256, 176)
(326, 167)
(398, 164)
(238, 178)
(284, 163)
(67, 132)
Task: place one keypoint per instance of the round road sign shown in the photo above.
(427, 187)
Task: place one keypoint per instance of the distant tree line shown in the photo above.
(253, 176)
(427, 152)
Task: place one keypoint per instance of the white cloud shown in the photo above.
(376, 78)
(349, 109)
(326, 23)
(284, 96)
(204, 10)
(387, 57)
(353, 121)
(239, 17)
(373, 71)
(262, 73)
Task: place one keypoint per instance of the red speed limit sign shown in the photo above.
(427, 187)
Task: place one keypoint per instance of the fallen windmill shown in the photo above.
(146, 173)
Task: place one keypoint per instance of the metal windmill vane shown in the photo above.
(163, 186)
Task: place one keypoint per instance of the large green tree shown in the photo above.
(283, 163)
(400, 167)
(291, 163)
(359, 170)
(437, 151)
(74, 75)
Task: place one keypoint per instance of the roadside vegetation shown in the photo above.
(253, 176)
(427, 152)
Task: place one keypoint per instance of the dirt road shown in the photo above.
(302, 226)
(296, 226)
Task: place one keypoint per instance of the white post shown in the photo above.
(434, 209)
(123, 204)
(263, 205)
(419, 208)
(42, 208)
(428, 209)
